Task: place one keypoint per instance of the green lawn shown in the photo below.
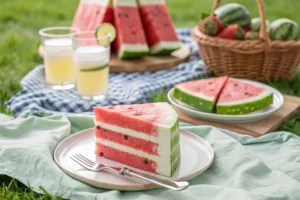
(20, 21)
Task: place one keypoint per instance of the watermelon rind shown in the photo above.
(164, 48)
(284, 29)
(246, 106)
(234, 13)
(256, 23)
(131, 51)
(203, 104)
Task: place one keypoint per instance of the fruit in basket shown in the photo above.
(256, 23)
(251, 35)
(234, 13)
(130, 41)
(201, 94)
(159, 28)
(239, 97)
(210, 26)
(232, 32)
(284, 29)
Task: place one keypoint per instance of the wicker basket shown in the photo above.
(251, 59)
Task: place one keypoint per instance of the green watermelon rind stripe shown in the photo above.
(164, 52)
(174, 141)
(244, 108)
(278, 29)
(235, 15)
(132, 55)
(94, 69)
(194, 101)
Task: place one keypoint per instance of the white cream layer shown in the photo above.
(248, 100)
(124, 3)
(165, 45)
(208, 98)
(147, 2)
(163, 133)
(163, 162)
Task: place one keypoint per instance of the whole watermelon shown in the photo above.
(234, 13)
(284, 29)
(256, 23)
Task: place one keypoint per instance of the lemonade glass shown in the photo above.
(58, 57)
(91, 58)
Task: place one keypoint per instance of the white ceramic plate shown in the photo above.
(196, 156)
(278, 101)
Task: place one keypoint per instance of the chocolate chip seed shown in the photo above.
(105, 130)
(145, 161)
(126, 137)
(98, 127)
(101, 154)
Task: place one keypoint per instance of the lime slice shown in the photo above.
(103, 30)
(94, 69)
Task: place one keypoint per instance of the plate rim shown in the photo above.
(244, 117)
(139, 187)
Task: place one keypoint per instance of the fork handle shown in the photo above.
(174, 185)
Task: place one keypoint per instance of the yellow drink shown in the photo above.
(92, 71)
(58, 59)
(60, 69)
(92, 83)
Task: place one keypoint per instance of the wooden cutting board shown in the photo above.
(256, 129)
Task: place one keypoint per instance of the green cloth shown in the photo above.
(244, 167)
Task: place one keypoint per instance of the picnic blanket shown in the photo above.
(244, 167)
(124, 88)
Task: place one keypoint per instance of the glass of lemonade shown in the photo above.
(58, 57)
(91, 58)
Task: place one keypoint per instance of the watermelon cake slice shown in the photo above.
(200, 94)
(144, 136)
(240, 97)
(159, 27)
(131, 40)
(91, 13)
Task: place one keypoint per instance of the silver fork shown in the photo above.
(92, 166)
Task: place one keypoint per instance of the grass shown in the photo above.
(20, 21)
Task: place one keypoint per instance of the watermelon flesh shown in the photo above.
(92, 13)
(239, 97)
(159, 27)
(200, 94)
(130, 40)
(144, 136)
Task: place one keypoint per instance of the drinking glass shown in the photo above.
(91, 58)
(58, 57)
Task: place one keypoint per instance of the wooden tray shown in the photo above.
(291, 106)
(146, 63)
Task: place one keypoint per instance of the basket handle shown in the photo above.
(263, 33)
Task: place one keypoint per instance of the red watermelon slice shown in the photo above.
(239, 97)
(130, 41)
(144, 136)
(201, 94)
(159, 27)
(90, 14)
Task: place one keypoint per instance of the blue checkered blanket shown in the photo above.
(124, 88)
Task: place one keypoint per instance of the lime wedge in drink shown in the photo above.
(103, 30)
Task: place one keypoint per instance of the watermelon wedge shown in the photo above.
(144, 136)
(91, 13)
(159, 27)
(130, 41)
(201, 94)
(240, 97)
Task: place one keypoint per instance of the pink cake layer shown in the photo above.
(132, 120)
(136, 143)
(126, 158)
